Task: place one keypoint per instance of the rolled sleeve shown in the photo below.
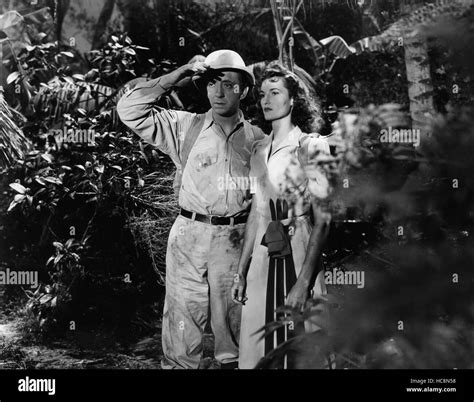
(161, 127)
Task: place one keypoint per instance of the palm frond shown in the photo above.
(314, 314)
(13, 143)
(59, 97)
(271, 327)
(277, 354)
(250, 18)
(410, 24)
(311, 348)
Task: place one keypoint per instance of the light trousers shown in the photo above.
(201, 262)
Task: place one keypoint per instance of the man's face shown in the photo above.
(224, 93)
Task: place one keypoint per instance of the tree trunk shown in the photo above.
(59, 9)
(278, 30)
(420, 88)
(101, 25)
(126, 9)
(166, 30)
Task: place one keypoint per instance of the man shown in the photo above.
(205, 241)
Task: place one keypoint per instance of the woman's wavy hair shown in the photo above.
(306, 112)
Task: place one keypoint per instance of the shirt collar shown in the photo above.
(291, 140)
(209, 120)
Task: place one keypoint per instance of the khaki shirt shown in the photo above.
(215, 178)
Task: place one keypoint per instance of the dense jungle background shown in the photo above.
(93, 219)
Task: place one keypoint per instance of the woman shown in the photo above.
(282, 243)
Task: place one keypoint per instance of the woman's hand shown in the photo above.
(297, 296)
(238, 289)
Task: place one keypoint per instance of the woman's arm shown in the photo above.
(299, 292)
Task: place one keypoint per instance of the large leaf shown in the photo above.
(13, 77)
(53, 180)
(338, 46)
(18, 188)
(12, 205)
(67, 54)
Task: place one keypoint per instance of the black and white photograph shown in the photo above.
(271, 185)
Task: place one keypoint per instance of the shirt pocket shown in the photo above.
(203, 159)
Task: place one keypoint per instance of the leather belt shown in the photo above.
(213, 219)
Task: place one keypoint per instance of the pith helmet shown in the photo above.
(227, 60)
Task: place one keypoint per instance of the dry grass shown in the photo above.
(151, 228)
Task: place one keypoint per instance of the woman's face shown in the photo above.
(275, 99)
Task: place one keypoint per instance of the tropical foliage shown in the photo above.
(93, 217)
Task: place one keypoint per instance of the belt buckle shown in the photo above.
(213, 220)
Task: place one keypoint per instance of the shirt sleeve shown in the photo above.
(316, 149)
(158, 126)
